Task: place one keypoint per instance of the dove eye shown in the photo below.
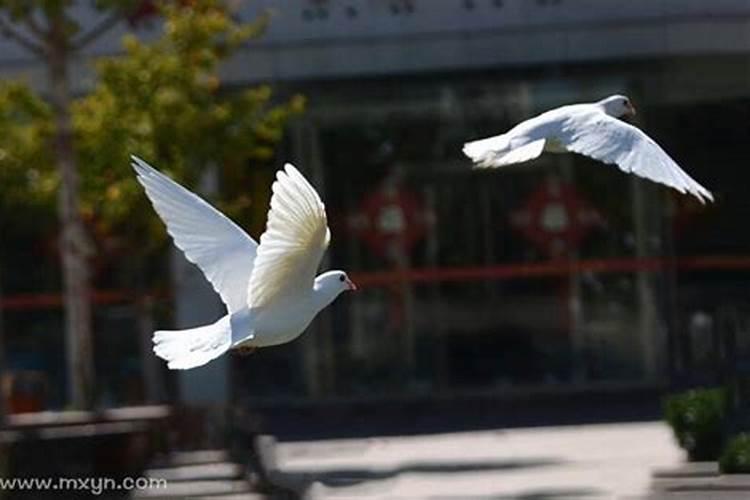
(341, 278)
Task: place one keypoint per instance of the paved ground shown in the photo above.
(587, 462)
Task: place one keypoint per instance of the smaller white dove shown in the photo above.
(270, 290)
(592, 130)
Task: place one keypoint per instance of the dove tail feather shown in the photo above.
(484, 152)
(185, 349)
(498, 151)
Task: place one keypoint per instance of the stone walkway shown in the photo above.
(587, 462)
(197, 474)
(699, 480)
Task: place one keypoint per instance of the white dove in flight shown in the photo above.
(270, 290)
(592, 130)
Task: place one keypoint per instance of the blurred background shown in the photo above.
(557, 292)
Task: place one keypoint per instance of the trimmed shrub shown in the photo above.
(736, 456)
(697, 419)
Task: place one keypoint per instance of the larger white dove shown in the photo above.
(270, 290)
(592, 130)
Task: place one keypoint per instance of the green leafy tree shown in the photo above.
(49, 31)
(162, 100)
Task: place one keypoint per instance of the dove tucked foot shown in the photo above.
(245, 350)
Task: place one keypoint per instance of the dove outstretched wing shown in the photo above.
(609, 140)
(219, 247)
(293, 244)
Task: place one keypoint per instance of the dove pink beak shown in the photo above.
(631, 110)
(351, 285)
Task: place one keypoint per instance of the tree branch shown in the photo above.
(26, 42)
(106, 24)
(35, 27)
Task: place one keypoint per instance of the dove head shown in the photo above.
(331, 283)
(617, 106)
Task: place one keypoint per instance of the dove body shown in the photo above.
(270, 289)
(545, 127)
(591, 130)
(286, 320)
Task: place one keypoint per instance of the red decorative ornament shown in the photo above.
(555, 218)
(391, 220)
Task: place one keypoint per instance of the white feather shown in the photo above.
(495, 158)
(270, 289)
(609, 140)
(223, 251)
(588, 130)
(184, 349)
(295, 239)
(483, 151)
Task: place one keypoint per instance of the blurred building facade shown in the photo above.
(561, 273)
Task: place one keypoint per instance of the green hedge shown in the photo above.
(736, 456)
(697, 419)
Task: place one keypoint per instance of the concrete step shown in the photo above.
(698, 495)
(203, 474)
(198, 489)
(241, 496)
(206, 471)
(689, 469)
(728, 483)
(699, 480)
(198, 457)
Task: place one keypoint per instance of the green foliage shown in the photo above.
(27, 174)
(162, 100)
(697, 419)
(735, 459)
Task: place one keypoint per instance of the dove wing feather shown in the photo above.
(210, 240)
(602, 137)
(293, 244)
